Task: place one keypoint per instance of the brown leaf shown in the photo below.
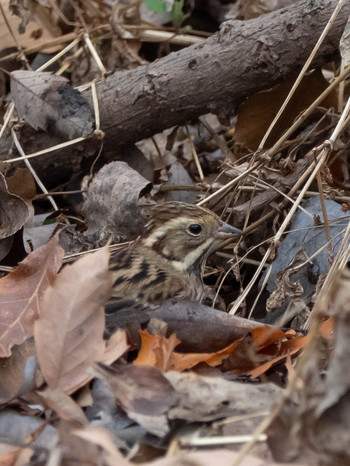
(17, 373)
(116, 346)
(144, 393)
(14, 211)
(141, 389)
(22, 184)
(104, 440)
(63, 405)
(69, 332)
(76, 450)
(21, 292)
(26, 40)
(258, 111)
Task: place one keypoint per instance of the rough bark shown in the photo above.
(216, 75)
(213, 76)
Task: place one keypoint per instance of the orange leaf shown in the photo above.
(267, 335)
(155, 350)
(327, 328)
(288, 348)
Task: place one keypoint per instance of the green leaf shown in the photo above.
(177, 15)
(158, 6)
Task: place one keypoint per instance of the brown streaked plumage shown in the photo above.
(167, 261)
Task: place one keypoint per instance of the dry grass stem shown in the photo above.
(8, 115)
(195, 155)
(323, 152)
(276, 147)
(31, 169)
(224, 440)
(94, 54)
(96, 106)
(230, 184)
(59, 55)
(47, 150)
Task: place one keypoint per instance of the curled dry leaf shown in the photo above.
(69, 332)
(22, 184)
(200, 328)
(21, 292)
(111, 204)
(253, 354)
(14, 211)
(48, 102)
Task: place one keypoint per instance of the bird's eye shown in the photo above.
(195, 229)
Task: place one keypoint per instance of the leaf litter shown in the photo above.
(157, 385)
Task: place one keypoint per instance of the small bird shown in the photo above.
(168, 259)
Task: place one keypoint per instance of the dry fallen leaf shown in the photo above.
(104, 440)
(111, 205)
(29, 39)
(155, 350)
(253, 354)
(116, 346)
(17, 373)
(67, 409)
(21, 292)
(206, 398)
(22, 184)
(141, 389)
(14, 211)
(144, 393)
(258, 111)
(48, 102)
(69, 332)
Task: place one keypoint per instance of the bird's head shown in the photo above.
(185, 234)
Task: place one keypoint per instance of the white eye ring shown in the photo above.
(194, 229)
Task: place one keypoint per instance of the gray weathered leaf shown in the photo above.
(111, 206)
(48, 102)
(305, 239)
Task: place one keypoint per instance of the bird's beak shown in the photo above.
(228, 231)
